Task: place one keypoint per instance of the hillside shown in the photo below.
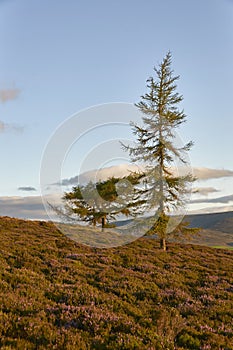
(217, 228)
(57, 294)
(215, 221)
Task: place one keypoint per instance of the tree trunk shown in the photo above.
(163, 244)
(103, 222)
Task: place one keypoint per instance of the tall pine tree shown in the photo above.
(162, 189)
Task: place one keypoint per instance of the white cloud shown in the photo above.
(204, 191)
(124, 169)
(102, 174)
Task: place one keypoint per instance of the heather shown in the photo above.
(58, 294)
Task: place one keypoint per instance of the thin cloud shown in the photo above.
(27, 189)
(4, 127)
(8, 94)
(224, 199)
(204, 191)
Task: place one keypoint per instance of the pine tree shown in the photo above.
(162, 190)
(101, 202)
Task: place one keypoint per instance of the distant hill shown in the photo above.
(215, 221)
(58, 294)
(217, 228)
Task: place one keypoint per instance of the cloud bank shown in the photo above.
(29, 207)
(214, 209)
(224, 199)
(207, 173)
(23, 207)
(32, 207)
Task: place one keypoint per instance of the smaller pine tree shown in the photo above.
(101, 202)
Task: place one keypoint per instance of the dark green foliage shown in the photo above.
(57, 294)
(188, 342)
(161, 189)
(101, 202)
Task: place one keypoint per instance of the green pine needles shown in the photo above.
(100, 202)
(162, 190)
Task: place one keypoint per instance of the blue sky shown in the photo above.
(65, 56)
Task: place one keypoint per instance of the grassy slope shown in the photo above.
(56, 294)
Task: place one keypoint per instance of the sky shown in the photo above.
(61, 58)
